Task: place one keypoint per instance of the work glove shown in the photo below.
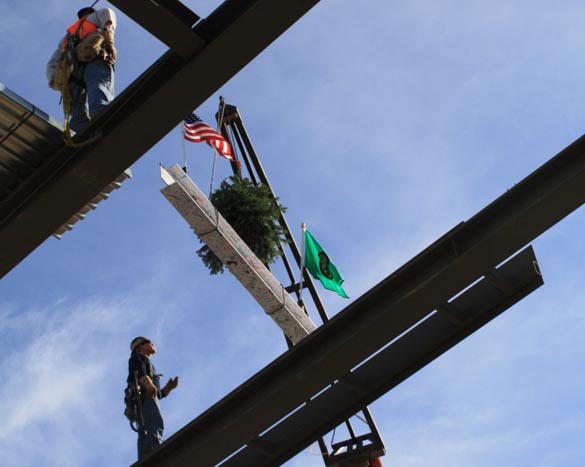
(89, 48)
(171, 384)
(148, 386)
(111, 54)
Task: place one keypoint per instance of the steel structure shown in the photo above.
(394, 364)
(211, 227)
(66, 179)
(430, 290)
(442, 295)
(358, 449)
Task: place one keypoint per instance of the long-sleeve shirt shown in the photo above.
(100, 18)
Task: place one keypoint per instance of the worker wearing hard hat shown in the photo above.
(87, 73)
(141, 368)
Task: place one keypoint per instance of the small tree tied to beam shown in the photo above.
(253, 213)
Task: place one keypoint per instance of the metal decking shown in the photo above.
(28, 137)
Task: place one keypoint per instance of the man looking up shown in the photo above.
(139, 364)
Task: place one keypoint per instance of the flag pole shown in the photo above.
(184, 149)
(212, 173)
(303, 228)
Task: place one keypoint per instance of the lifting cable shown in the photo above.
(219, 124)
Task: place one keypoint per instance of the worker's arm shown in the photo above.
(107, 23)
(148, 386)
(112, 53)
(52, 68)
(171, 384)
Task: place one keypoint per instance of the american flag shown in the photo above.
(196, 131)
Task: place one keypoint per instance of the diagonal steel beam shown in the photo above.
(212, 228)
(386, 370)
(145, 112)
(168, 20)
(414, 291)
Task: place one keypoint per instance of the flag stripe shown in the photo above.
(197, 131)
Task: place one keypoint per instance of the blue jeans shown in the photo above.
(154, 425)
(91, 89)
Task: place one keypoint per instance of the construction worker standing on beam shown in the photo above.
(140, 368)
(82, 67)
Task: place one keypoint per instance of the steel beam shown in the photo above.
(211, 227)
(412, 351)
(155, 103)
(168, 20)
(233, 128)
(432, 278)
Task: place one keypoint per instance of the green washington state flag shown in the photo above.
(321, 267)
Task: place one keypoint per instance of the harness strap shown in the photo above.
(68, 60)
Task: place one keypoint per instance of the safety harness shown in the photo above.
(67, 64)
(133, 400)
(133, 405)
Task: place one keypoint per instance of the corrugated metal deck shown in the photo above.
(27, 137)
(28, 140)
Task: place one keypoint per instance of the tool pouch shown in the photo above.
(130, 404)
(90, 47)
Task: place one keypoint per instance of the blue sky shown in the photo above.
(381, 125)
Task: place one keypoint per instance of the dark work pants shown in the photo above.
(154, 424)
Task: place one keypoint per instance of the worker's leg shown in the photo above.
(154, 424)
(99, 79)
(79, 110)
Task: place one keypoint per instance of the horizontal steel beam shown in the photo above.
(431, 279)
(402, 358)
(155, 103)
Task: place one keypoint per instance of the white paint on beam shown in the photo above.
(233, 252)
